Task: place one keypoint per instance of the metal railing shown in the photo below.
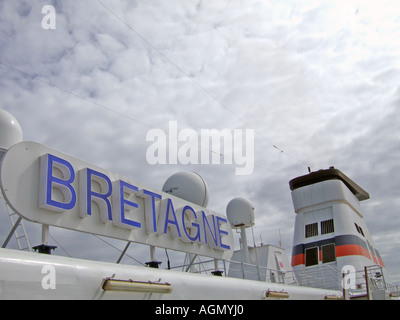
(370, 284)
(237, 269)
(324, 277)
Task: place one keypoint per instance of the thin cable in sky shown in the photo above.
(33, 77)
(74, 94)
(90, 101)
(196, 83)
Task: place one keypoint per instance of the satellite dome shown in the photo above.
(240, 213)
(10, 130)
(189, 186)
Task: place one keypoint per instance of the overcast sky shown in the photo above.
(317, 81)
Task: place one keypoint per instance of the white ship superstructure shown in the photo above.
(45, 186)
(330, 232)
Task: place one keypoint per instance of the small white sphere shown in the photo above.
(189, 186)
(10, 130)
(240, 213)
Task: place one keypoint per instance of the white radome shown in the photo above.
(10, 130)
(240, 213)
(189, 186)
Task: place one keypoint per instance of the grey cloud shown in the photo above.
(319, 80)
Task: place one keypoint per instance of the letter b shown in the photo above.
(56, 192)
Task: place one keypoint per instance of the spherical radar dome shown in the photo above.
(10, 130)
(189, 186)
(240, 213)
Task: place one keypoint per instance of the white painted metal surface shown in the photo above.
(26, 185)
(10, 130)
(189, 186)
(26, 275)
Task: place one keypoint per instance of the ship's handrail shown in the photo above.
(394, 289)
(327, 277)
(245, 270)
(371, 281)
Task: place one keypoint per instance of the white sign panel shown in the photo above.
(49, 187)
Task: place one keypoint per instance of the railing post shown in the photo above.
(367, 281)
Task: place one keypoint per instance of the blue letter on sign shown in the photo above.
(190, 227)
(120, 204)
(150, 209)
(222, 233)
(209, 232)
(165, 209)
(87, 179)
(63, 184)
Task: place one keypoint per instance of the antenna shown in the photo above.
(188, 185)
(10, 131)
(11, 134)
(240, 213)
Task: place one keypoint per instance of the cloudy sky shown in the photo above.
(317, 81)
